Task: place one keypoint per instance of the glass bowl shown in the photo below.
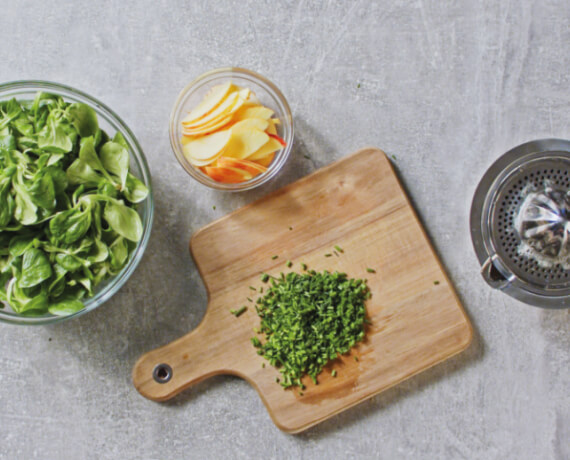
(268, 94)
(111, 123)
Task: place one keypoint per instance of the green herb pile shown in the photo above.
(67, 199)
(309, 319)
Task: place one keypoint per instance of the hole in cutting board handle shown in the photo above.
(162, 373)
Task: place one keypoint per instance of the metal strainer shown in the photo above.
(520, 223)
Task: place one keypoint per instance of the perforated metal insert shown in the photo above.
(531, 177)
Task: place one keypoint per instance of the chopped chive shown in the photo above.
(249, 298)
(321, 297)
(356, 358)
(307, 157)
(264, 278)
(261, 290)
(238, 312)
(358, 86)
(289, 264)
(274, 257)
(253, 289)
(333, 373)
(277, 379)
(304, 266)
(328, 255)
(436, 282)
(263, 365)
(255, 341)
(370, 270)
(214, 207)
(336, 253)
(301, 393)
(339, 249)
(393, 157)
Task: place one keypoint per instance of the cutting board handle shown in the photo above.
(162, 373)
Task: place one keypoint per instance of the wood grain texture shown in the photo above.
(358, 204)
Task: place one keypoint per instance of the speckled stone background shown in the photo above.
(445, 87)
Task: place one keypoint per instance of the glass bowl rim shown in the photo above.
(274, 92)
(116, 282)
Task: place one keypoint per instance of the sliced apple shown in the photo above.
(230, 135)
(209, 128)
(232, 103)
(227, 175)
(253, 112)
(211, 100)
(252, 100)
(209, 162)
(203, 148)
(253, 168)
(279, 139)
(272, 145)
(221, 111)
(266, 160)
(245, 141)
(256, 123)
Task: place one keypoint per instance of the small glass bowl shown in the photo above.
(268, 94)
(111, 123)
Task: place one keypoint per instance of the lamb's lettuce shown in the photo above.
(67, 205)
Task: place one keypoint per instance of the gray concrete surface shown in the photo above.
(446, 87)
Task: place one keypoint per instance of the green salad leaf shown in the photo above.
(84, 119)
(65, 307)
(71, 225)
(7, 202)
(54, 139)
(115, 160)
(135, 191)
(81, 173)
(68, 218)
(35, 268)
(121, 219)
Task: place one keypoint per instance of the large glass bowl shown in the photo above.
(268, 94)
(111, 123)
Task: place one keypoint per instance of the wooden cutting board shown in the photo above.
(358, 204)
